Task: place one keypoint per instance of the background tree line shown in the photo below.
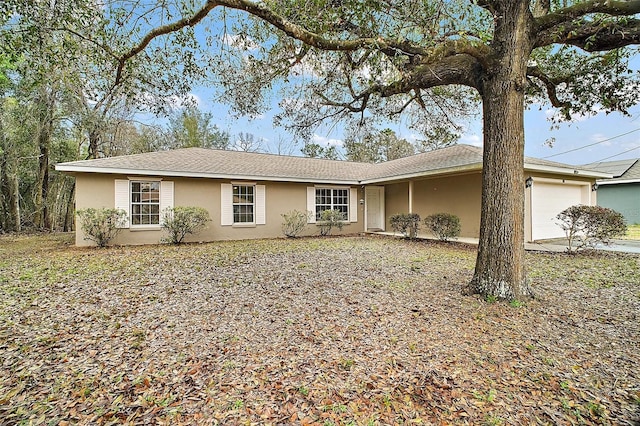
(63, 98)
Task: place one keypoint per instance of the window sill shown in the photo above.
(244, 225)
(137, 228)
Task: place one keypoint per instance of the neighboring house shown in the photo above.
(246, 193)
(622, 192)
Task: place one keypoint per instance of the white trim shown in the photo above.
(350, 200)
(353, 205)
(311, 204)
(145, 178)
(565, 171)
(169, 173)
(123, 199)
(253, 223)
(380, 206)
(560, 181)
(449, 170)
(260, 213)
(613, 182)
(226, 204)
(166, 197)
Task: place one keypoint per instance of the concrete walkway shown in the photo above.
(558, 245)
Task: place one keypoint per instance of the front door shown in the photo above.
(375, 208)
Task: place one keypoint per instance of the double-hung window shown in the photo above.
(145, 202)
(332, 199)
(243, 203)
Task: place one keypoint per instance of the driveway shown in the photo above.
(561, 244)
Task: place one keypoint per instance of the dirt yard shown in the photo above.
(323, 331)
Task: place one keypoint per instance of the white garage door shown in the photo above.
(547, 200)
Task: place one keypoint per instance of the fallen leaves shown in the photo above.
(311, 332)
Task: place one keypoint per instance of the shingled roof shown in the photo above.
(210, 163)
(623, 171)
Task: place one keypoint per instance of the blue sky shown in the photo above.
(608, 135)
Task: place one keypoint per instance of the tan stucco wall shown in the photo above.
(459, 195)
(396, 201)
(96, 190)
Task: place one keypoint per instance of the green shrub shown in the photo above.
(330, 219)
(406, 223)
(101, 225)
(182, 221)
(445, 226)
(294, 222)
(587, 226)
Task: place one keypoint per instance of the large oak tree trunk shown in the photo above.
(500, 268)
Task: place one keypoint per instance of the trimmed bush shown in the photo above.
(182, 221)
(445, 226)
(101, 225)
(406, 223)
(587, 226)
(330, 219)
(294, 222)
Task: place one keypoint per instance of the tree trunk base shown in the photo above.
(498, 289)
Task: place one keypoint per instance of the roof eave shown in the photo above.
(436, 172)
(565, 171)
(617, 181)
(138, 172)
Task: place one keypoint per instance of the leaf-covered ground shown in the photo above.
(323, 331)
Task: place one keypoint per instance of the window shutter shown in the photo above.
(261, 214)
(166, 197)
(311, 203)
(226, 204)
(122, 199)
(353, 204)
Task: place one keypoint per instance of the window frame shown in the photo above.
(253, 204)
(332, 206)
(133, 203)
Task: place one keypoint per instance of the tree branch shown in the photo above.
(159, 31)
(569, 14)
(551, 85)
(594, 37)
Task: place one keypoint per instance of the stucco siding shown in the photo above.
(458, 195)
(623, 198)
(396, 200)
(98, 190)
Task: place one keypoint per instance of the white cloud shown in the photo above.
(239, 41)
(324, 141)
(473, 139)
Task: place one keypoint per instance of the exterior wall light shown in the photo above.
(529, 182)
(594, 187)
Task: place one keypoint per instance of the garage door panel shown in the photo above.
(547, 200)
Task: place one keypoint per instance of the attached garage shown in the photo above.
(547, 198)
